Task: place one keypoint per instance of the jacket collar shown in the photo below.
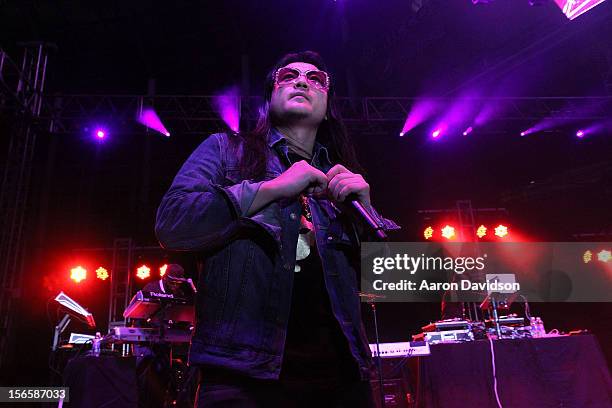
(320, 154)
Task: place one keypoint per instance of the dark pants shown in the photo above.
(236, 391)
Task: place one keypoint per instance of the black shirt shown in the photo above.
(316, 351)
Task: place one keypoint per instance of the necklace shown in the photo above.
(305, 236)
(305, 207)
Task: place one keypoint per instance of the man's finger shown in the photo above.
(338, 168)
(319, 178)
(333, 183)
(348, 189)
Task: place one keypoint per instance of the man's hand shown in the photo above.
(341, 182)
(301, 177)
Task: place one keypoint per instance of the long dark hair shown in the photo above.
(331, 132)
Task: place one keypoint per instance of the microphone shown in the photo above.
(192, 285)
(366, 217)
(363, 214)
(183, 280)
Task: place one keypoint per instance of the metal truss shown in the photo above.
(120, 283)
(21, 86)
(21, 89)
(196, 114)
(124, 255)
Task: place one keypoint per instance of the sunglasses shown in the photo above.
(287, 76)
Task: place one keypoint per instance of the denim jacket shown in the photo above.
(244, 291)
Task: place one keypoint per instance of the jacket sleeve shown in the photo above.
(198, 211)
(385, 223)
(365, 233)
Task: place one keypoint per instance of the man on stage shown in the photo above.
(278, 315)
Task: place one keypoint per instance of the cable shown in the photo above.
(526, 305)
(494, 376)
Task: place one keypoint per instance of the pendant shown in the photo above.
(304, 242)
(302, 250)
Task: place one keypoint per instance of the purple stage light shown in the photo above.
(420, 111)
(100, 133)
(575, 8)
(525, 132)
(458, 113)
(467, 131)
(559, 119)
(496, 104)
(440, 130)
(402, 134)
(148, 117)
(227, 105)
(595, 128)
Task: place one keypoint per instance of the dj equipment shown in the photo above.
(164, 306)
(446, 331)
(78, 338)
(401, 349)
(508, 321)
(449, 336)
(122, 334)
(443, 325)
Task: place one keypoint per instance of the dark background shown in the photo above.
(85, 194)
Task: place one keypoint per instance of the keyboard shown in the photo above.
(402, 349)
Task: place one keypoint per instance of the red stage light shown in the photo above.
(428, 232)
(162, 269)
(143, 272)
(102, 273)
(604, 255)
(501, 231)
(448, 232)
(78, 274)
(481, 231)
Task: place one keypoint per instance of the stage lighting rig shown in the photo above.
(143, 272)
(78, 274)
(448, 232)
(102, 273)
